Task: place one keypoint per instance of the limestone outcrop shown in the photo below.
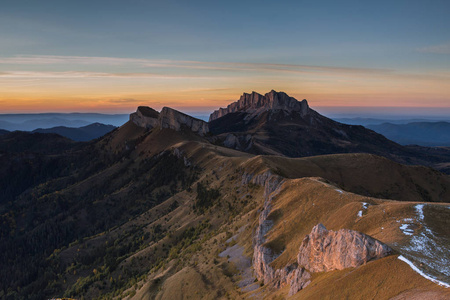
(323, 250)
(297, 277)
(145, 117)
(320, 251)
(255, 103)
(173, 119)
(168, 118)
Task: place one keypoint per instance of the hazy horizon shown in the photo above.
(350, 115)
(335, 111)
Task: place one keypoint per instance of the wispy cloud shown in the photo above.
(437, 49)
(168, 69)
(124, 101)
(182, 64)
(77, 60)
(76, 74)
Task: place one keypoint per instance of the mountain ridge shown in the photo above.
(168, 118)
(432, 134)
(256, 103)
(277, 124)
(164, 211)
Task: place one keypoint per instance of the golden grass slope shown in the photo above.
(302, 203)
(365, 174)
(323, 189)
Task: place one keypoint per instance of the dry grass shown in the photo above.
(368, 174)
(301, 204)
(380, 279)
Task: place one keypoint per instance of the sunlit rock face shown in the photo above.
(324, 250)
(294, 276)
(255, 103)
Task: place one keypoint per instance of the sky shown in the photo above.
(111, 56)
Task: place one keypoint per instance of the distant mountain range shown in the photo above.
(377, 121)
(436, 132)
(417, 133)
(30, 122)
(81, 134)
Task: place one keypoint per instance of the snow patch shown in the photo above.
(402, 258)
(419, 210)
(364, 206)
(406, 231)
(425, 247)
(339, 191)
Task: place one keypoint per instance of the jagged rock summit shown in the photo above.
(326, 250)
(168, 118)
(255, 104)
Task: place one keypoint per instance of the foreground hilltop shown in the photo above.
(160, 209)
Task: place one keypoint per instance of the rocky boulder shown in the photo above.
(324, 250)
(255, 104)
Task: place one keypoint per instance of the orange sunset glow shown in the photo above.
(199, 86)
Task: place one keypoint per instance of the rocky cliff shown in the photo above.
(168, 118)
(173, 119)
(320, 251)
(324, 250)
(255, 103)
(297, 277)
(145, 117)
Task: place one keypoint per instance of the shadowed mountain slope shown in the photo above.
(278, 124)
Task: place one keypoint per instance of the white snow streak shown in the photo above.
(402, 258)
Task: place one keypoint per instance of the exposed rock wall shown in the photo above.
(324, 250)
(173, 119)
(168, 118)
(145, 117)
(321, 250)
(297, 278)
(255, 103)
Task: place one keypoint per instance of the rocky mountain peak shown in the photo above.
(168, 118)
(255, 103)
